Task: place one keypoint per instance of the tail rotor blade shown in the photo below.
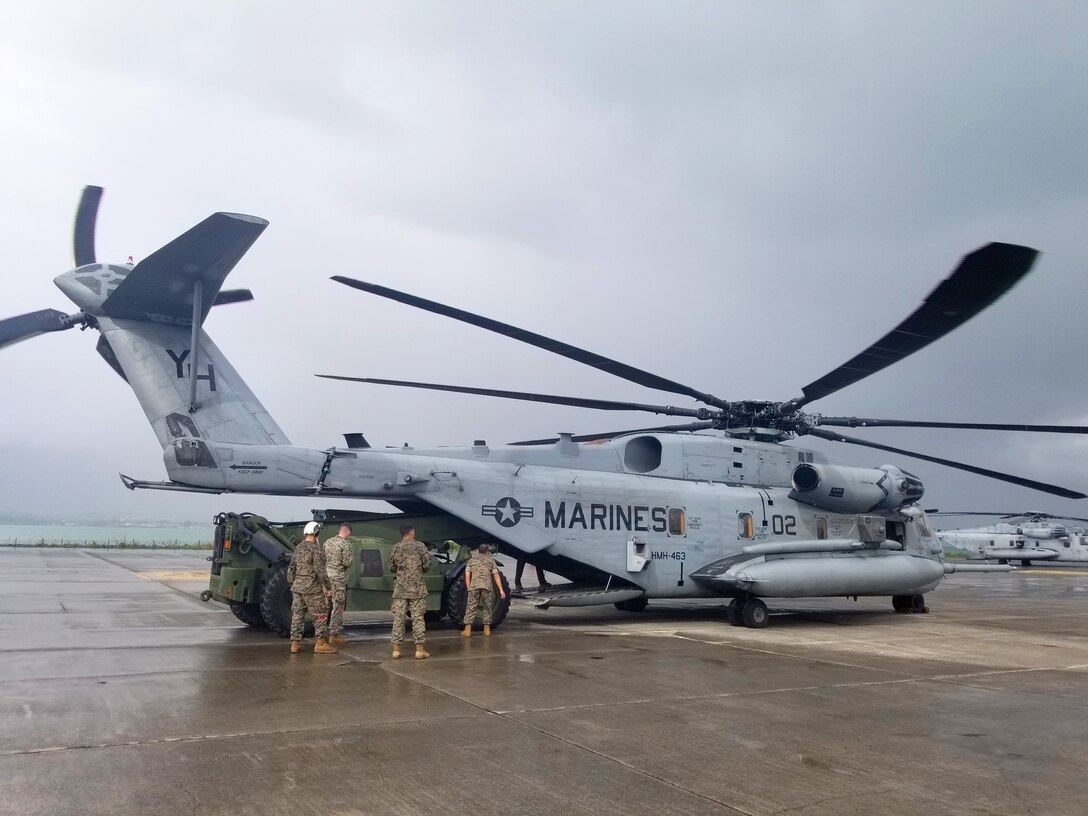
(83, 234)
(226, 296)
(25, 326)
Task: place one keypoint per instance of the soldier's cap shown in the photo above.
(312, 528)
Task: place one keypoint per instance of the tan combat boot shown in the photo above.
(322, 647)
(296, 646)
(487, 630)
(421, 654)
(467, 631)
(396, 651)
(338, 640)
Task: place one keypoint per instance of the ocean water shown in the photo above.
(27, 535)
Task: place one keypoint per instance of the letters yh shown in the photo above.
(179, 359)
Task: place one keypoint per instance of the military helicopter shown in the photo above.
(1023, 537)
(715, 507)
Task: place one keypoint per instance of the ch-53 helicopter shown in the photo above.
(1023, 537)
(717, 507)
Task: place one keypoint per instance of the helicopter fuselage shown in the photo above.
(580, 505)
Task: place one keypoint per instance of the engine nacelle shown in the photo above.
(1043, 531)
(854, 489)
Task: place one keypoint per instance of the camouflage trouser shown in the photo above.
(418, 607)
(318, 606)
(336, 618)
(481, 598)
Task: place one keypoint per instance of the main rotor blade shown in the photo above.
(691, 426)
(993, 474)
(577, 402)
(83, 233)
(605, 364)
(863, 422)
(23, 327)
(979, 280)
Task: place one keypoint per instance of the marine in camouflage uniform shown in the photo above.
(480, 573)
(408, 561)
(337, 564)
(309, 587)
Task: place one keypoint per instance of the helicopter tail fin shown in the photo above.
(159, 365)
(151, 319)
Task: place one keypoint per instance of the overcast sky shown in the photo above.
(739, 196)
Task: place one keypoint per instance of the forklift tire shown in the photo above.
(457, 600)
(249, 614)
(276, 604)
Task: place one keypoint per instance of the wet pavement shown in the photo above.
(122, 693)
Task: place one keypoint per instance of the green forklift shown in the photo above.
(251, 555)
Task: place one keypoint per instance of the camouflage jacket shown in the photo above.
(337, 559)
(307, 574)
(481, 568)
(408, 561)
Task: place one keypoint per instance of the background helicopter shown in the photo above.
(1023, 537)
(713, 507)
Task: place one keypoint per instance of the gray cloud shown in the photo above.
(737, 196)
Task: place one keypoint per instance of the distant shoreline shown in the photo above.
(96, 545)
(112, 536)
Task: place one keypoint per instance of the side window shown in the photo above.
(821, 527)
(676, 521)
(745, 526)
(371, 564)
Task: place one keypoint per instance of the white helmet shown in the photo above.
(312, 528)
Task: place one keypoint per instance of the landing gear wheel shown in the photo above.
(276, 604)
(633, 605)
(432, 615)
(754, 613)
(918, 604)
(249, 614)
(457, 601)
(902, 603)
(733, 612)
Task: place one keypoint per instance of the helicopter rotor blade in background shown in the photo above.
(577, 402)
(614, 367)
(25, 326)
(863, 422)
(980, 279)
(993, 474)
(83, 232)
(692, 426)
(1003, 515)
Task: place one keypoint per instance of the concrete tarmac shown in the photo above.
(122, 693)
